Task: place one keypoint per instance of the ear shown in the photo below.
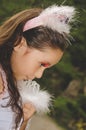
(21, 47)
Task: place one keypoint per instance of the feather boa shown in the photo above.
(30, 92)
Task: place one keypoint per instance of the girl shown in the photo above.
(30, 42)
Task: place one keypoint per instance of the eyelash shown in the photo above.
(44, 64)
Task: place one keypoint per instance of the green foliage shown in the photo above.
(65, 66)
(67, 110)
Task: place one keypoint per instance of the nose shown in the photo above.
(39, 73)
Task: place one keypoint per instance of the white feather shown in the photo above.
(30, 92)
(55, 17)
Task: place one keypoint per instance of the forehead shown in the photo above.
(47, 55)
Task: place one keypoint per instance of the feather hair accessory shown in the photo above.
(30, 92)
(57, 18)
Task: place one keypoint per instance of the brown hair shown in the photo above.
(11, 32)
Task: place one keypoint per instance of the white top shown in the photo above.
(6, 113)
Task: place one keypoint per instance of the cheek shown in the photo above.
(31, 68)
(26, 65)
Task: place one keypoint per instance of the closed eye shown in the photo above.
(45, 64)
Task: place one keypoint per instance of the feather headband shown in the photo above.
(57, 18)
(30, 92)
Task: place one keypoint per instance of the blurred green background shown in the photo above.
(67, 80)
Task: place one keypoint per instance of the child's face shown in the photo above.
(30, 63)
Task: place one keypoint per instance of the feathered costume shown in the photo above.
(30, 92)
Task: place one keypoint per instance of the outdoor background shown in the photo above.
(67, 80)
